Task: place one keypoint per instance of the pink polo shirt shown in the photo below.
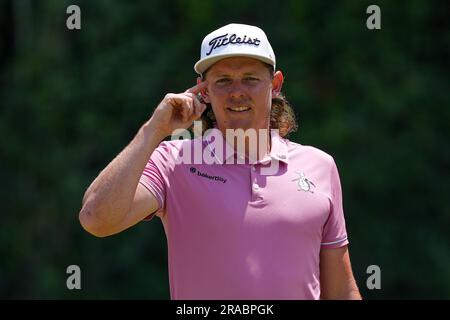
(235, 233)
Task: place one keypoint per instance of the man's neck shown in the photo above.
(253, 144)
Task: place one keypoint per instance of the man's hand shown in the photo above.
(178, 111)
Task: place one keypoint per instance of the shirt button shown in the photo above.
(255, 187)
(253, 169)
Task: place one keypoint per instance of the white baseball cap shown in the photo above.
(234, 40)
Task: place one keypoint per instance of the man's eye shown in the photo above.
(251, 79)
(223, 81)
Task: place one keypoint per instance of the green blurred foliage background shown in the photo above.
(378, 101)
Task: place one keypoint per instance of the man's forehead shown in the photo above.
(237, 64)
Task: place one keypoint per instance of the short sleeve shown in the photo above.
(154, 177)
(334, 231)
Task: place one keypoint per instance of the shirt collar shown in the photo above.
(278, 150)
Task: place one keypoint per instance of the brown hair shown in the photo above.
(282, 116)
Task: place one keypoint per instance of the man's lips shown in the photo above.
(239, 108)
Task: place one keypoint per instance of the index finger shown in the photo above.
(197, 88)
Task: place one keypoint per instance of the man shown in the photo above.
(244, 222)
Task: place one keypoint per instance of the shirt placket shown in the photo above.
(256, 189)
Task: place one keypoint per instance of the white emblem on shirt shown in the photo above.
(304, 183)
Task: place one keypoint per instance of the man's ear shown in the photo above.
(204, 92)
(277, 83)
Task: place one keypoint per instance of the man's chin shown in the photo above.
(240, 126)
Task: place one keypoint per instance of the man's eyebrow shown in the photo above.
(220, 74)
(224, 74)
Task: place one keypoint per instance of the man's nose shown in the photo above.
(236, 90)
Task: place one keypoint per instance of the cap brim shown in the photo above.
(203, 64)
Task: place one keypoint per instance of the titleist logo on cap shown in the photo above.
(224, 40)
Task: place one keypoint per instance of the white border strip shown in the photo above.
(333, 242)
